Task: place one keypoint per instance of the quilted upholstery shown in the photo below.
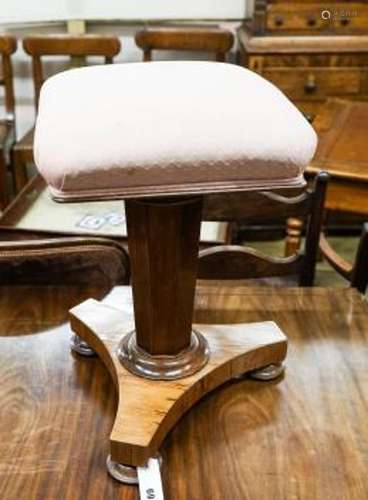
(167, 127)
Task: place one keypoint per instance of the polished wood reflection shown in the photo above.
(303, 437)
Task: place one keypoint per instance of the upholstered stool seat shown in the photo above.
(197, 126)
(168, 132)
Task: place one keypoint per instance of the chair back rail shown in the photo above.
(255, 206)
(239, 262)
(232, 262)
(68, 45)
(8, 45)
(217, 40)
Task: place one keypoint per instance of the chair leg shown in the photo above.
(293, 240)
(313, 231)
(3, 187)
(19, 167)
(359, 279)
(232, 234)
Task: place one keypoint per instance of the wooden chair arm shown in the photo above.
(357, 273)
(338, 263)
(66, 260)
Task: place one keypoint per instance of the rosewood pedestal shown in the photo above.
(161, 363)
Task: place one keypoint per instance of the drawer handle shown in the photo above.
(311, 21)
(310, 87)
(279, 21)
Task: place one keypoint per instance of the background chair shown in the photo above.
(214, 40)
(8, 46)
(64, 261)
(235, 262)
(356, 273)
(78, 48)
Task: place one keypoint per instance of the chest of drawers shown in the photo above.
(310, 50)
(315, 17)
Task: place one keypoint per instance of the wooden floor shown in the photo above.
(304, 437)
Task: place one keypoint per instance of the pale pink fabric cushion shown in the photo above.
(167, 127)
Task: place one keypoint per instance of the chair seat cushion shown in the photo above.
(161, 128)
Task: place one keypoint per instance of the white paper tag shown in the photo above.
(150, 484)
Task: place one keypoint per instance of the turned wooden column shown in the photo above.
(163, 239)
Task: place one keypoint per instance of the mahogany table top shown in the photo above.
(305, 436)
(342, 127)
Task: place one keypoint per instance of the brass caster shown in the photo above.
(80, 346)
(269, 372)
(126, 473)
(122, 473)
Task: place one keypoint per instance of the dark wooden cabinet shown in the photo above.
(310, 50)
(342, 17)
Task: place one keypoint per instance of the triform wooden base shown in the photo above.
(148, 409)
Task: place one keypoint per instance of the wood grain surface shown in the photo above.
(149, 409)
(342, 152)
(304, 437)
(342, 149)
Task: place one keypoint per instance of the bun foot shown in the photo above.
(80, 346)
(122, 473)
(269, 372)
